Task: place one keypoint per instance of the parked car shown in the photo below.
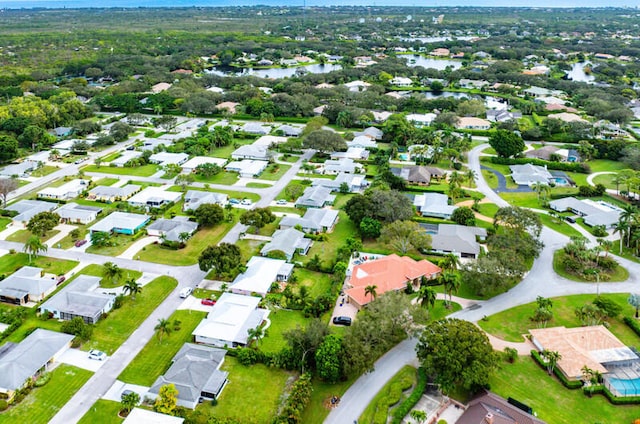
(281, 202)
(98, 355)
(208, 302)
(125, 393)
(234, 201)
(80, 243)
(185, 292)
(61, 279)
(246, 202)
(342, 320)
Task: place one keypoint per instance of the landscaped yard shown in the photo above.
(390, 394)
(274, 171)
(44, 170)
(155, 357)
(319, 283)
(137, 171)
(530, 199)
(11, 262)
(97, 271)
(224, 177)
(224, 152)
(488, 209)
(237, 194)
(326, 250)
(607, 181)
(4, 222)
(103, 412)
(189, 255)
(511, 324)
(44, 402)
(559, 225)
(252, 394)
(119, 244)
(316, 411)
(551, 401)
(257, 185)
(281, 321)
(618, 274)
(22, 236)
(111, 332)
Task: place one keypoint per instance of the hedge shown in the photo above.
(633, 324)
(558, 166)
(405, 407)
(569, 384)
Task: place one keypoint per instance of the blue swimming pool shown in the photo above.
(403, 156)
(626, 387)
(560, 181)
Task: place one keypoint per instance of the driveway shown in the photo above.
(115, 392)
(131, 252)
(80, 359)
(194, 304)
(502, 183)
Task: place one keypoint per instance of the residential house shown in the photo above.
(543, 153)
(552, 101)
(247, 168)
(160, 87)
(289, 241)
(355, 153)
(35, 354)
(66, 191)
(253, 152)
(319, 110)
(460, 240)
(371, 132)
(195, 373)
(261, 273)
(567, 117)
(79, 299)
(27, 209)
(528, 174)
(434, 204)
(190, 166)
(194, 198)
(401, 82)
(125, 157)
(608, 131)
(489, 408)
(165, 158)
(356, 86)
(143, 416)
(228, 106)
(289, 130)
(172, 229)
(362, 142)
(269, 141)
(62, 131)
(534, 91)
(313, 221)
(21, 169)
(315, 197)
(501, 115)
(230, 319)
(594, 213)
(440, 52)
(389, 273)
(473, 84)
(121, 223)
(256, 128)
(418, 175)
(355, 182)
(334, 167)
(154, 197)
(420, 120)
(472, 123)
(381, 116)
(28, 284)
(73, 213)
(112, 194)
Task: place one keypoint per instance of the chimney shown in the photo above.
(488, 419)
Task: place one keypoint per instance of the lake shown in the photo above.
(577, 73)
(428, 62)
(274, 73)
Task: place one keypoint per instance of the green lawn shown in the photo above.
(138, 171)
(257, 185)
(11, 262)
(391, 392)
(225, 151)
(120, 243)
(326, 250)
(22, 236)
(490, 178)
(44, 170)
(317, 411)
(4, 222)
(488, 209)
(237, 194)
(288, 158)
(511, 324)
(97, 271)
(102, 412)
(606, 180)
(68, 242)
(224, 177)
(606, 165)
(44, 402)
(189, 255)
(281, 321)
(559, 225)
(249, 248)
(155, 357)
(619, 274)
(252, 394)
(111, 332)
(274, 171)
(551, 401)
(319, 283)
(530, 199)
(106, 181)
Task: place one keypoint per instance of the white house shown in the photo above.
(26, 285)
(164, 158)
(434, 204)
(194, 198)
(401, 82)
(154, 197)
(529, 174)
(74, 213)
(191, 165)
(79, 299)
(125, 157)
(261, 273)
(172, 229)
(66, 191)
(472, 123)
(27, 209)
(247, 168)
(251, 151)
(420, 120)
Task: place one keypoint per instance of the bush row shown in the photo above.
(296, 402)
(582, 168)
(633, 324)
(569, 384)
(405, 407)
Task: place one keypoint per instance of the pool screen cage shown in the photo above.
(623, 380)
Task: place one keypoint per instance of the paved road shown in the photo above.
(502, 183)
(540, 281)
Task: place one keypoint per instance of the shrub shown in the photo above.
(297, 401)
(403, 409)
(569, 384)
(510, 354)
(247, 356)
(43, 379)
(3, 404)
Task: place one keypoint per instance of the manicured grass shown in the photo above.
(96, 270)
(618, 274)
(316, 411)
(155, 357)
(206, 294)
(489, 151)
(237, 194)
(138, 171)
(225, 151)
(252, 394)
(189, 255)
(44, 170)
(390, 394)
(249, 248)
(530, 199)
(319, 283)
(606, 180)
(44, 402)
(274, 171)
(111, 332)
(23, 235)
(4, 222)
(120, 243)
(552, 402)
(285, 209)
(281, 322)
(67, 242)
(490, 178)
(312, 175)
(559, 225)
(440, 310)
(464, 291)
(511, 324)
(224, 177)
(326, 250)
(606, 165)
(106, 181)
(103, 412)
(12, 262)
(488, 209)
(289, 158)
(257, 185)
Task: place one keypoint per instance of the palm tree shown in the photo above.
(451, 282)
(617, 180)
(451, 261)
(371, 291)
(255, 334)
(470, 176)
(418, 416)
(427, 297)
(111, 272)
(606, 246)
(621, 227)
(34, 246)
(454, 179)
(183, 237)
(552, 359)
(132, 288)
(163, 327)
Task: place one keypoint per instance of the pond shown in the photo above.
(437, 39)
(577, 73)
(455, 94)
(274, 73)
(427, 62)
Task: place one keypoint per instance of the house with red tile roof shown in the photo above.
(389, 273)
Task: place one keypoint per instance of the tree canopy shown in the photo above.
(223, 258)
(506, 143)
(324, 141)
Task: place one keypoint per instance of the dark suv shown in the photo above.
(342, 320)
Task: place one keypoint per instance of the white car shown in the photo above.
(98, 355)
(246, 202)
(281, 202)
(185, 292)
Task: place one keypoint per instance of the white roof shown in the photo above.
(72, 187)
(120, 220)
(268, 140)
(433, 203)
(362, 141)
(252, 151)
(165, 158)
(231, 317)
(260, 274)
(252, 167)
(155, 193)
(126, 156)
(423, 118)
(199, 160)
(142, 416)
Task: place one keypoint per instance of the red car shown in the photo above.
(208, 302)
(80, 242)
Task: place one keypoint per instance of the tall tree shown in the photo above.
(209, 214)
(43, 222)
(329, 359)
(634, 300)
(325, 141)
(427, 297)
(223, 258)
(111, 272)
(506, 143)
(7, 185)
(552, 358)
(451, 282)
(163, 327)
(404, 235)
(34, 246)
(132, 288)
(370, 290)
